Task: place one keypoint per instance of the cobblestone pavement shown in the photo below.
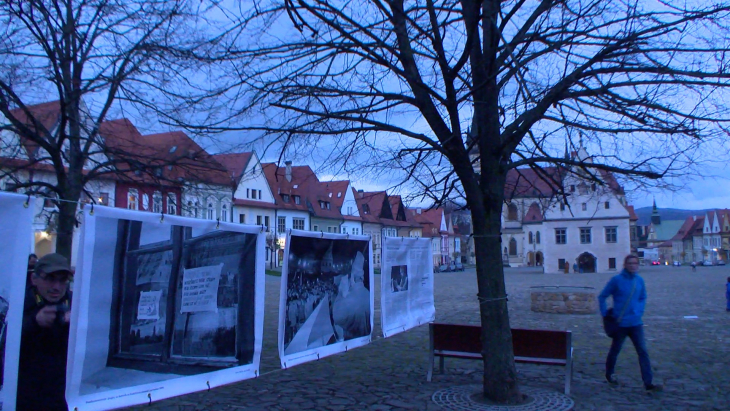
(691, 357)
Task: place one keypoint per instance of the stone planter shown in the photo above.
(563, 300)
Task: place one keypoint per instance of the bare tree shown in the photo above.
(84, 59)
(642, 83)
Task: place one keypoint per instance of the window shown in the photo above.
(297, 200)
(344, 230)
(103, 199)
(584, 206)
(561, 236)
(561, 263)
(349, 210)
(316, 228)
(242, 218)
(366, 209)
(512, 247)
(266, 221)
(253, 194)
(537, 237)
(593, 187)
(585, 235)
(248, 193)
(529, 238)
(512, 212)
(260, 196)
(259, 220)
(133, 199)
(197, 207)
(356, 231)
(562, 206)
(298, 223)
(611, 263)
(171, 203)
(190, 208)
(281, 224)
(572, 189)
(168, 340)
(611, 234)
(285, 197)
(327, 204)
(157, 202)
(607, 205)
(224, 212)
(211, 211)
(329, 229)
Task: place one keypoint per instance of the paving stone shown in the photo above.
(687, 356)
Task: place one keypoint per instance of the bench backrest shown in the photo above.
(526, 343)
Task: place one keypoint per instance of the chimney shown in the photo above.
(288, 170)
(361, 192)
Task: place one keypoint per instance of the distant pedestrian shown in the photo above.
(727, 293)
(694, 266)
(629, 300)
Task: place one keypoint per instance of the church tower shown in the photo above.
(655, 218)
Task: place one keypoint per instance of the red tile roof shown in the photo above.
(373, 201)
(45, 115)
(632, 213)
(235, 163)
(527, 182)
(303, 178)
(533, 214)
(430, 220)
(685, 231)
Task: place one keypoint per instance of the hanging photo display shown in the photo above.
(164, 307)
(16, 229)
(326, 302)
(406, 292)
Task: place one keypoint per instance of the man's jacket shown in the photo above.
(42, 368)
(619, 287)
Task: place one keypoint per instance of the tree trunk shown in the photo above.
(71, 193)
(500, 374)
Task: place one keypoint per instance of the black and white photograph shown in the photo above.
(408, 274)
(16, 228)
(326, 295)
(169, 300)
(399, 278)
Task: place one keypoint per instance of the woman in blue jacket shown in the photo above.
(629, 299)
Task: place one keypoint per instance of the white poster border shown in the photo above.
(411, 321)
(291, 360)
(147, 393)
(17, 266)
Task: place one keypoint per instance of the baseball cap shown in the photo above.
(51, 263)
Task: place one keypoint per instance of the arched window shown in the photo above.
(224, 212)
(537, 237)
(211, 210)
(529, 237)
(157, 202)
(512, 247)
(512, 212)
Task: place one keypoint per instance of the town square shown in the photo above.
(688, 354)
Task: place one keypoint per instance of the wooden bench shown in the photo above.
(530, 346)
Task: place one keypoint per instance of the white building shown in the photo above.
(590, 232)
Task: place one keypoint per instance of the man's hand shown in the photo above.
(67, 317)
(46, 316)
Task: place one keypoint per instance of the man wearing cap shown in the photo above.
(44, 341)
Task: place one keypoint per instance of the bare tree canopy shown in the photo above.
(457, 93)
(67, 65)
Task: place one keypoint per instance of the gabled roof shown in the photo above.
(526, 182)
(685, 231)
(179, 157)
(430, 220)
(632, 213)
(44, 115)
(533, 214)
(235, 163)
(302, 179)
(332, 192)
(374, 202)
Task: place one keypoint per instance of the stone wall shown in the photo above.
(564, 302)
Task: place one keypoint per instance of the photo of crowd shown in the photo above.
(327, 293)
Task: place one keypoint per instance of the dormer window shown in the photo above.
(366, 209)
(339, 195)
(285, 197)
(297, 199)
